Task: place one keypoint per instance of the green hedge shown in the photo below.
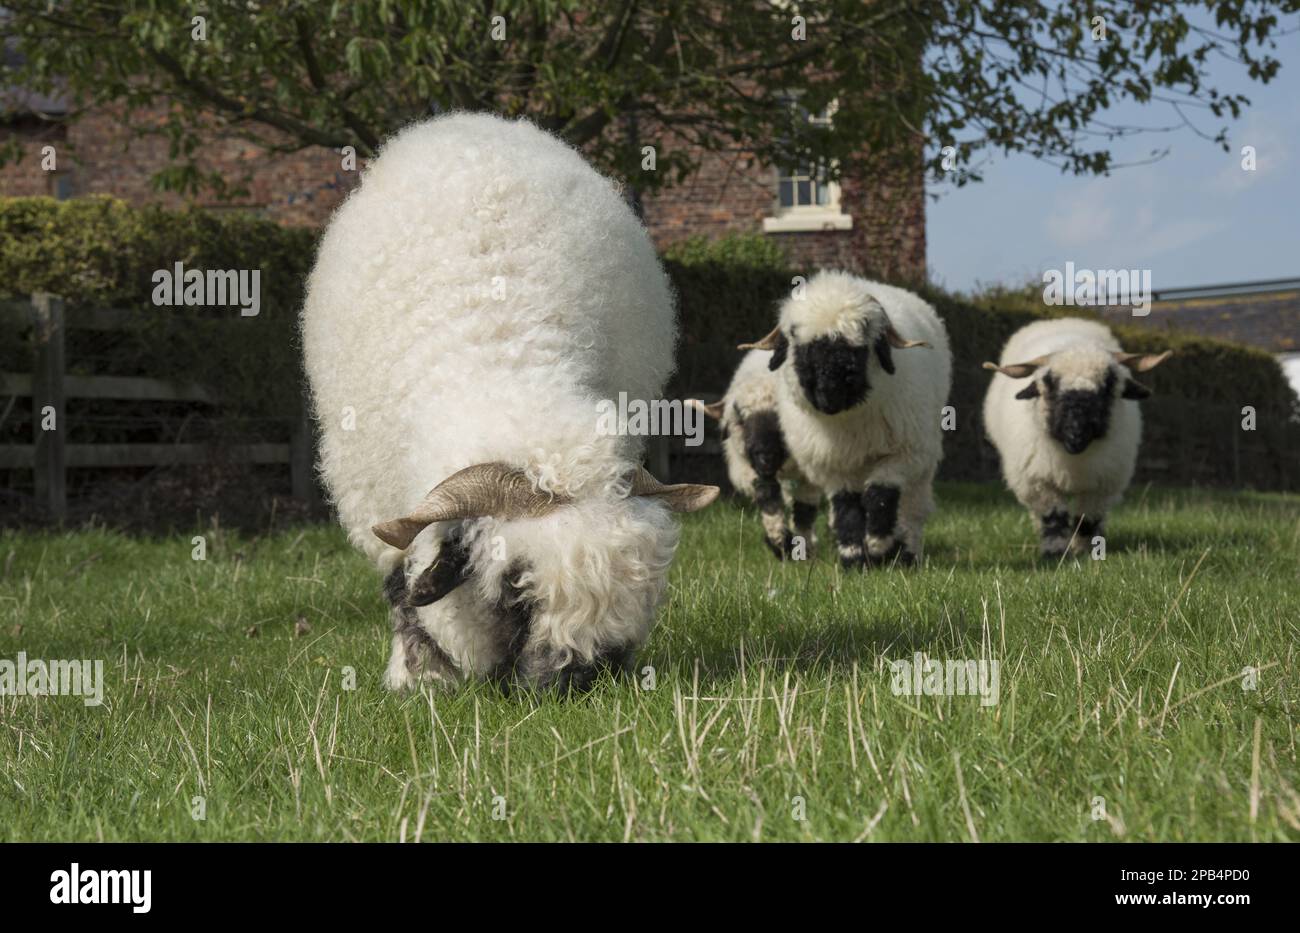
(100, 251)
(729, 291)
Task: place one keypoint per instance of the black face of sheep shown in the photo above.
(832, 370)
(1080, 416)
(503, 493)
(832, 373)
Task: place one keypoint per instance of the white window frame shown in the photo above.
(807, 218)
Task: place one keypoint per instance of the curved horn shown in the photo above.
(679, 497)
(1018, 370)
(483, 489)
(713, 410)
(1141, 362)
(898, 342)
(767, 343)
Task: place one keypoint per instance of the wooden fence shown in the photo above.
(49, 386)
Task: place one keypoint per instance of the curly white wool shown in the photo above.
(471, 302)
(1043, 476)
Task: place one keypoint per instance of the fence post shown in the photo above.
(48, 404)
(658, 448)
(302, 457)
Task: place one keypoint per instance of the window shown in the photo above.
(805, 199)
(61, 186)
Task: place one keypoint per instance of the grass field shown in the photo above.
(771, 697)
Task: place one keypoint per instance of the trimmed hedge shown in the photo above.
(729, 291)
(98, 252)
(101, 251)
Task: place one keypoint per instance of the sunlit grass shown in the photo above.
(763, 696)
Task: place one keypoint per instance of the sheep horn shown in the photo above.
(714, 410)
(1141, 362)
(679, 497)
(1018, 370)
(767, 343)
(898, 342)
(483, 489)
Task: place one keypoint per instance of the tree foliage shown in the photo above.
(680, 75)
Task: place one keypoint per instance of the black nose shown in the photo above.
(1076, 445)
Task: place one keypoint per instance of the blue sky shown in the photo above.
(1193, 218)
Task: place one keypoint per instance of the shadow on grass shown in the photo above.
(816, 646)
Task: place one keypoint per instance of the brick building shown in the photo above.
(873, 224)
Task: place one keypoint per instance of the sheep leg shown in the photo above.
(849, 525)
(1056, 532)
(884, 545)
(1090, 525)
(805, 499)
(771, 508)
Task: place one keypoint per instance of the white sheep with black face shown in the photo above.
(759, 463)
(864, 372)
(1062, 412)
(472, 304)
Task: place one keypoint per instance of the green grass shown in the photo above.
(1120, 679)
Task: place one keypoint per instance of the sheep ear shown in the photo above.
(778, 355)
(679, 497)
(1142, 362)
(1135, 390)
(898, 343)
(714, 411)
(1018, 370)
(441, 577)
(1029, 391)
(884, 354)
(776, 342)
(483, 489)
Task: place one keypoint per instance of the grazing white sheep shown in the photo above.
(759, 462)
(863, 423)
(1061, 411)
(471, 304)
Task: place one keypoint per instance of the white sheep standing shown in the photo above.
(863, 423)
(1061, 411)
(471, 304)
(758, 460)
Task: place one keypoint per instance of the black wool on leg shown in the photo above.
(767, 496)
(849, 524)
(1055, 530)
(880, 503)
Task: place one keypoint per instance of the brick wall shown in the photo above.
(731, 192)
(98, 154)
